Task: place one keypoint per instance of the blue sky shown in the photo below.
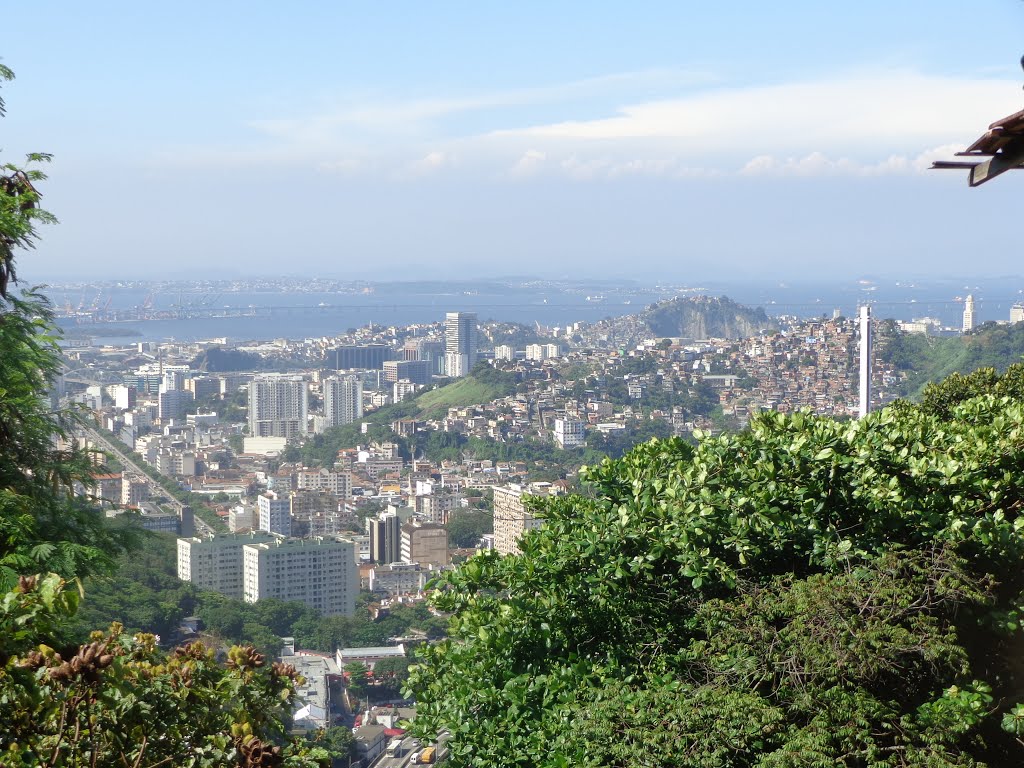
(648, 140)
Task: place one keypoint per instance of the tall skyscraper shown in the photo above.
(385, 532)
(1017, 313)
(968, 313)
(343, 400)
(278, 405)
(460, 343)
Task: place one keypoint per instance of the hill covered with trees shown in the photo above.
(928, 359)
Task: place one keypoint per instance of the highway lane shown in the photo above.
(412, 747)
(202, 527)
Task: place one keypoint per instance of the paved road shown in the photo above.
(113, 447)
(410, 747)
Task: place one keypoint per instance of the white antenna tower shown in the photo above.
(865, 362)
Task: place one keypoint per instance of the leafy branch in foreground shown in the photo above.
(805, 593)
(117, 700)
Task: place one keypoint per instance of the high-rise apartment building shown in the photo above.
(385, 536)
(460, 343)
(275, 513)
(1017, 313)
(968, 313)
(569, 433)
(416, 371)
(203, 387)
(337, 482)
(437, 507)
(124, 397)
(385, 532)
(511, 517)
(400, 390)
(172, 397)
(424, 543)
(172, 403)
(540, 351)
(319, 572)
(216, 564)
(278, 406)
(343, 400)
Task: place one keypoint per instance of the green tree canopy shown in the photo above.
(804, 593)
(467, 526)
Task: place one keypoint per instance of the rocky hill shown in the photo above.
(704, 317)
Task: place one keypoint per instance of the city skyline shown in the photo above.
(672, 141)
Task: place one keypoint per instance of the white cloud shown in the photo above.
(530, 163)
(869, 124)
(819, 164)
(924, 160)
(887, 108)
(410, 117)
(430, 163)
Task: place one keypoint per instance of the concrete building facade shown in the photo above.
(337, 482)
(460, 343)
(511, 517)
(416, 371)
(319, 572)
(424, 543)
(343, 400)
(216, 564)
(275, 513)
(278, 406)
(569, 433)
(968, 314)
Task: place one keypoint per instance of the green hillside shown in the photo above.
(929, 359)
(485, 384)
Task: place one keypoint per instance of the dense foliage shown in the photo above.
(928, 359)
(467, 526)
(221, 360)
(118, 701)
(805, 593)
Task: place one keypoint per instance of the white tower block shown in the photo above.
(865, 362)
